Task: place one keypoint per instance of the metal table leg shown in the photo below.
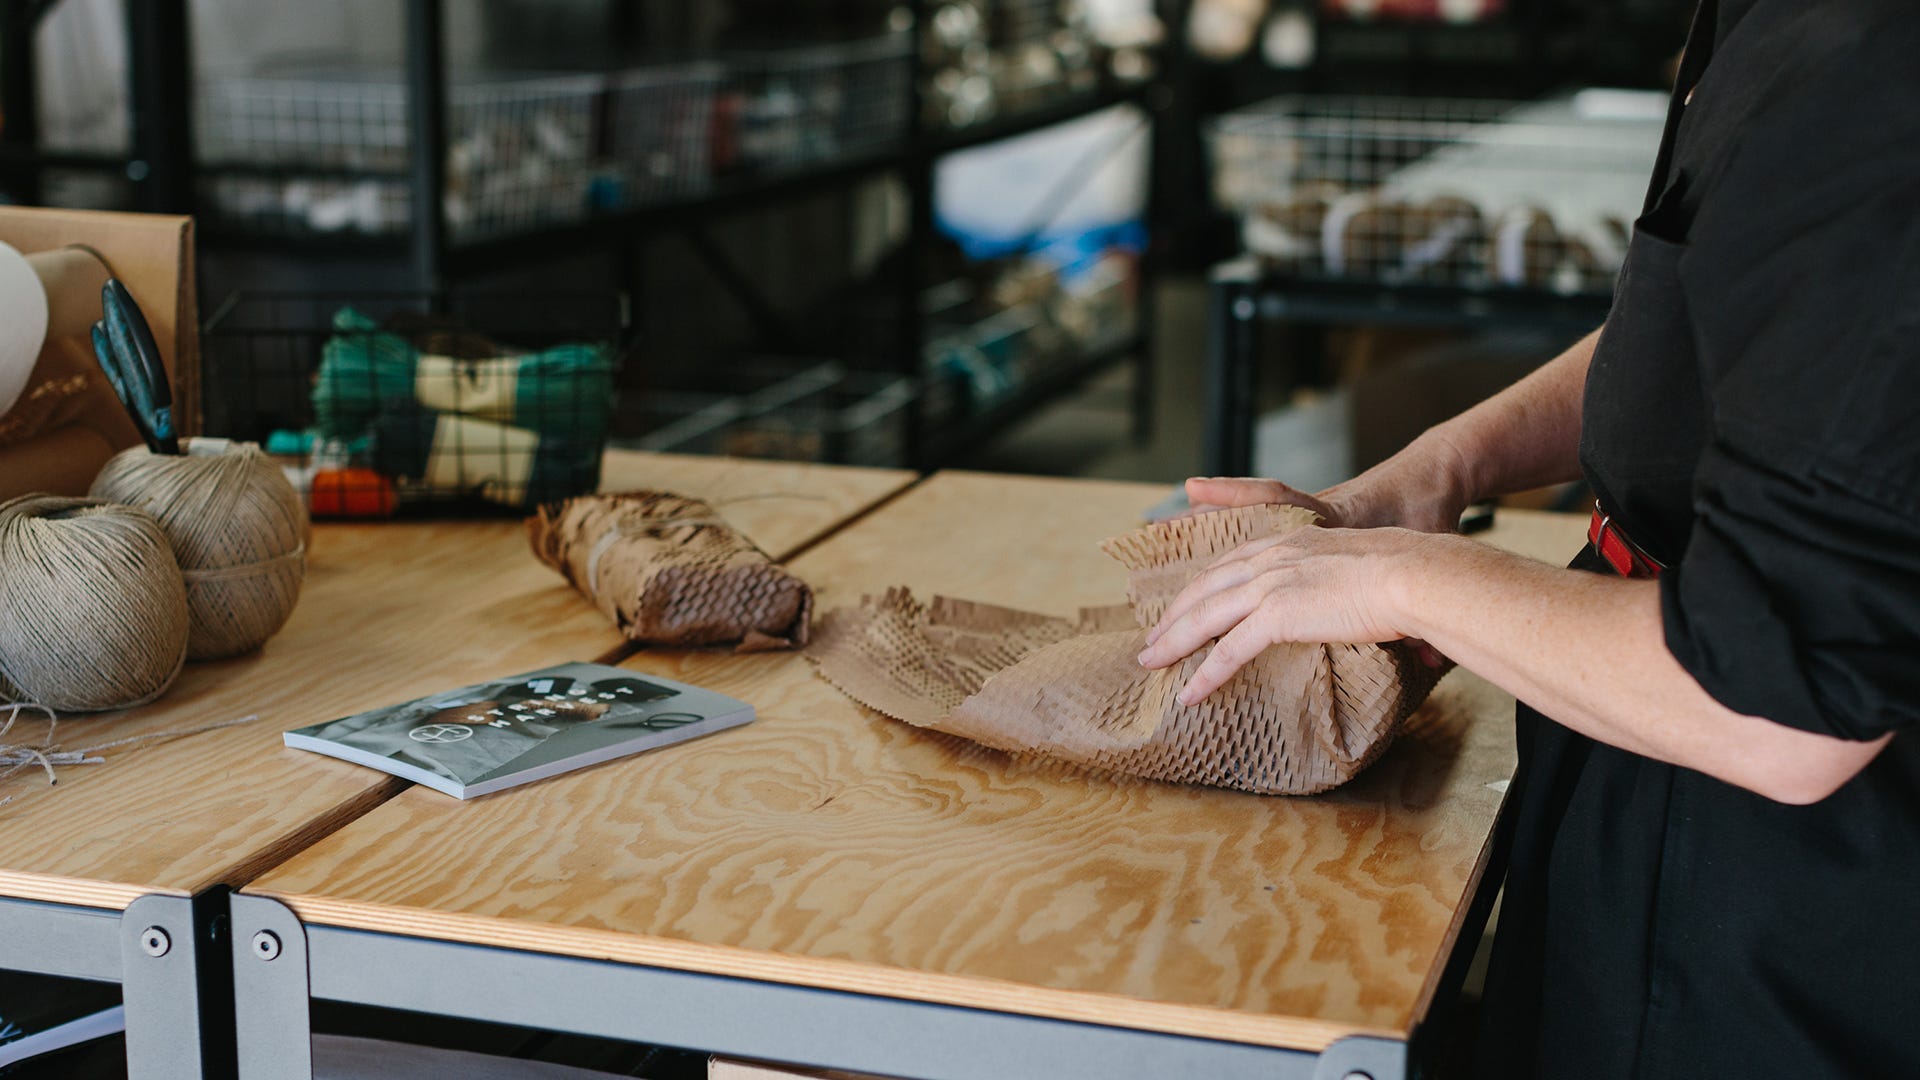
(272, 1023)
(1233, 331)
(176, 1008)
(153, 950)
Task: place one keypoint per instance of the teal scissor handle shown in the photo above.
(125, 348)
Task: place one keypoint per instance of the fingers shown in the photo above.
(1229, 491)
(1236, 650)
(1234, 568)
(1208, 616)
(1196, 509)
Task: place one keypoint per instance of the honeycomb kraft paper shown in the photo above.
(668, 571)
(1301, 718)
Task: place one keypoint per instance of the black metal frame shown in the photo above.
(160, 161)
(165, 952)
(1243, 297)
(161, 167)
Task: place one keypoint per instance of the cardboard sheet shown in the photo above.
(1302, 718)
(68, 422)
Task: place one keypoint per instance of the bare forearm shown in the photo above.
(1526, 436)
(1590, 651)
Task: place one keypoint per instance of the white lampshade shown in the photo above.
(23, 324)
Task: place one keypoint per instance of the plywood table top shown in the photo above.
(826, 846)
(389, 611)
(779, 505)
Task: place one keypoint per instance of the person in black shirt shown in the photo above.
(1715, 857)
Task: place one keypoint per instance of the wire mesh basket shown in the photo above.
(334, 143)
(821, 412)
(985, 344)
(1472, 194)
(1450, 12)
(660, 129)
(382, 402)
(794, 106)
(987, 58)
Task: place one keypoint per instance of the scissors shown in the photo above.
(123, 344)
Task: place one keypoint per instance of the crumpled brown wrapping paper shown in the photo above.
(1299, 719)
(668, 571)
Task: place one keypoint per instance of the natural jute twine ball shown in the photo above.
(93, 612)
(237, 528)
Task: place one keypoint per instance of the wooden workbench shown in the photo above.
(824, 846)
(388, 611)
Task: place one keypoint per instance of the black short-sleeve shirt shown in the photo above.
(1753, 420)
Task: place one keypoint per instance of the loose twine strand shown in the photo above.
(16, 758)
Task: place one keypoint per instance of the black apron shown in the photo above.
(1657, 922)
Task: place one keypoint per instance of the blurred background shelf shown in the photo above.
(666, 133)
(792, 177)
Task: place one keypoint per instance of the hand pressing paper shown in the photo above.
(1298, 720)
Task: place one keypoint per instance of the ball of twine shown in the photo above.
(93, 611)
(237, 528)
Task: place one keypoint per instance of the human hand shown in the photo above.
(1316, 585)
(1420, 488)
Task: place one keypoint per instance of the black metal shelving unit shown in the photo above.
(1247, 304)
(162, 172)
(159, 164)
(1265, 321)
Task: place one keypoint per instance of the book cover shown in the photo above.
(495, 735)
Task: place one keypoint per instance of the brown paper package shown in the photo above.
(1302, 718)
(668, 571)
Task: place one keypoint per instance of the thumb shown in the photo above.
(1227, 491)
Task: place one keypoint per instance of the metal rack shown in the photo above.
(1428, 212)
(441, 252)
(1248, 303)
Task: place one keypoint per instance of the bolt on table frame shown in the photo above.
(161, 950)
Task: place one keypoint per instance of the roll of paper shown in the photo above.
(23, 324)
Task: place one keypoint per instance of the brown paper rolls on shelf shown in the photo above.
(1443, 240)
(1287, 233)
(668, 571)
(1301, 718)
(1524, 248)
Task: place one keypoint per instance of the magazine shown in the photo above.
(483, 738)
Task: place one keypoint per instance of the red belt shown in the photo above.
(1621, 553)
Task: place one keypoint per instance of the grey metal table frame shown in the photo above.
(280, 965)
(1243, 299)
(160, 950)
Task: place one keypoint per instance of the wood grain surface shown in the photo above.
(389, 611)
(827, 846)
(779, 505)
